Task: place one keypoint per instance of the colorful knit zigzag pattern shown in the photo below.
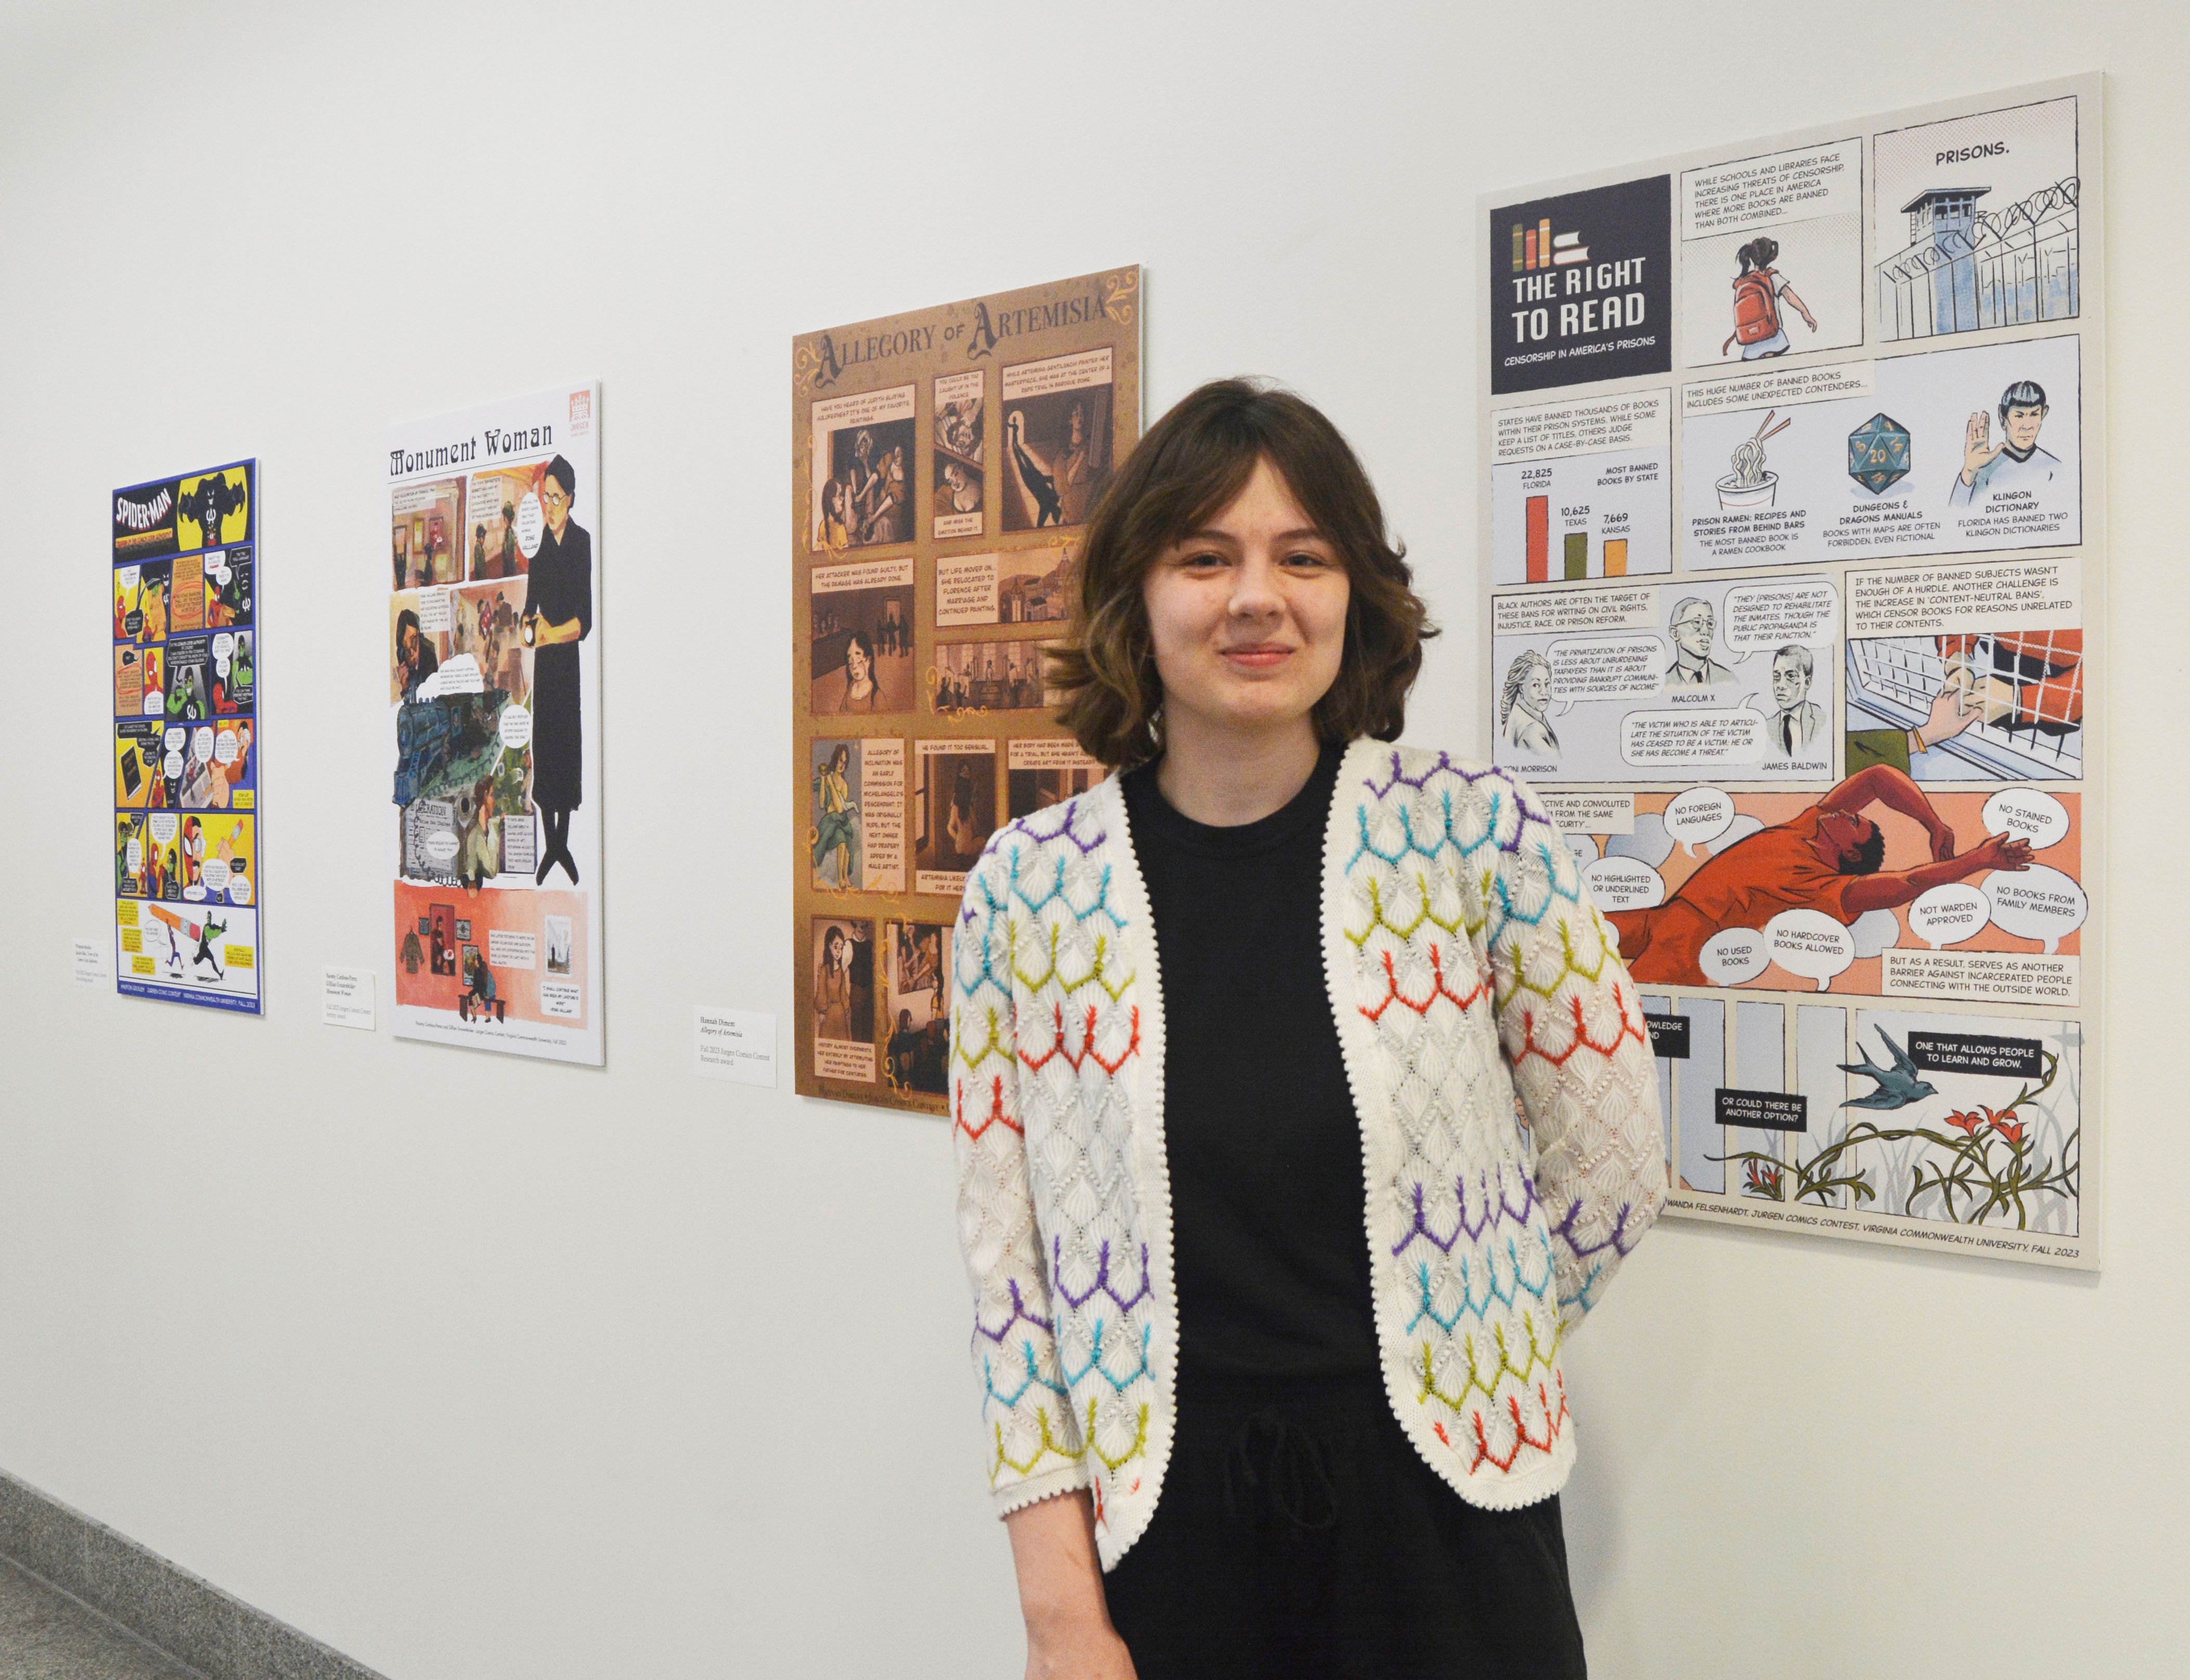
(1466, 907)
(1046, 1027)
(1468, 970)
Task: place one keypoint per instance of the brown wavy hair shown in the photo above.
(1191, 464)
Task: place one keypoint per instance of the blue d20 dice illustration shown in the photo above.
(1878, 454)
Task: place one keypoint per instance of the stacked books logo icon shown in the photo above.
(1539, 247)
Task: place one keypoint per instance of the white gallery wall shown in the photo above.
(475, 1366)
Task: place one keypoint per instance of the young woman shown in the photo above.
(1270, 1275)
(832, 986)
(830, 533)
(1758, 326)
(836, 820)
(861, 691)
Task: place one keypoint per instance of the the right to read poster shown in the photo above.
(1794, 517)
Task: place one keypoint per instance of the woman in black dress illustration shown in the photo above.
(559, 613)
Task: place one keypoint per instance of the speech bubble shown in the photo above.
(1623, 884)
(1699, 817)
(201, 743)
(1874, 931)
(433, 611)
(173, 740)
(239, 889)
(216, 874)
(224, 645)
(171, 765)
(457, 675)
(1605, 668)
(2028, 814)
(224, 747)
(1732, 955)
(128, 576)
(516, 727)
(2036, 903)
(528, 524)
(441, 846)
(1810, 943)
(1583, 847)
(1948, 915)
(194, 892)
(220, 573)
(1649, 842)
(164, 826)
(133, 855)
(1763, 618)
(1693, 738)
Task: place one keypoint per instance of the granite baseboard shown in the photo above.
(167, 1607)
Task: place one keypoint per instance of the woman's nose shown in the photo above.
(1254, 589)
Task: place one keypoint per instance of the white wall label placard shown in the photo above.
(735, 1045)
(88, 962)
(346, 998)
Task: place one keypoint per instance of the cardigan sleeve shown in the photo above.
(1571, 1024)
(1034, 1443)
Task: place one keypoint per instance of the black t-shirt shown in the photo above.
(1270, 1252)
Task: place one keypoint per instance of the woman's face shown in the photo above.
(1248, 614)
(1536, 686)
(833, 949)
(857, 665)
(555, 503)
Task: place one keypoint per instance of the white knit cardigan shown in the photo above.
(1465, 964)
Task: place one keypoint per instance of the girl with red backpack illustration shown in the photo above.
(1757, 289)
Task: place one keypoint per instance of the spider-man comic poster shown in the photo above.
(188, 798)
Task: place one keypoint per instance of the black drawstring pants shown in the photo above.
(1299, 1533)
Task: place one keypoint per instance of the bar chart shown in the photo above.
(1574, 549)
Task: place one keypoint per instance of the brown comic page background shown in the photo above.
(870, 666)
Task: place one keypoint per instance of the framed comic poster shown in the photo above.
(1793, 532)
(942, 462)
(492, 690)
(188, 805)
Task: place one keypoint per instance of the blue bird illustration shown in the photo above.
(1897, 1086)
